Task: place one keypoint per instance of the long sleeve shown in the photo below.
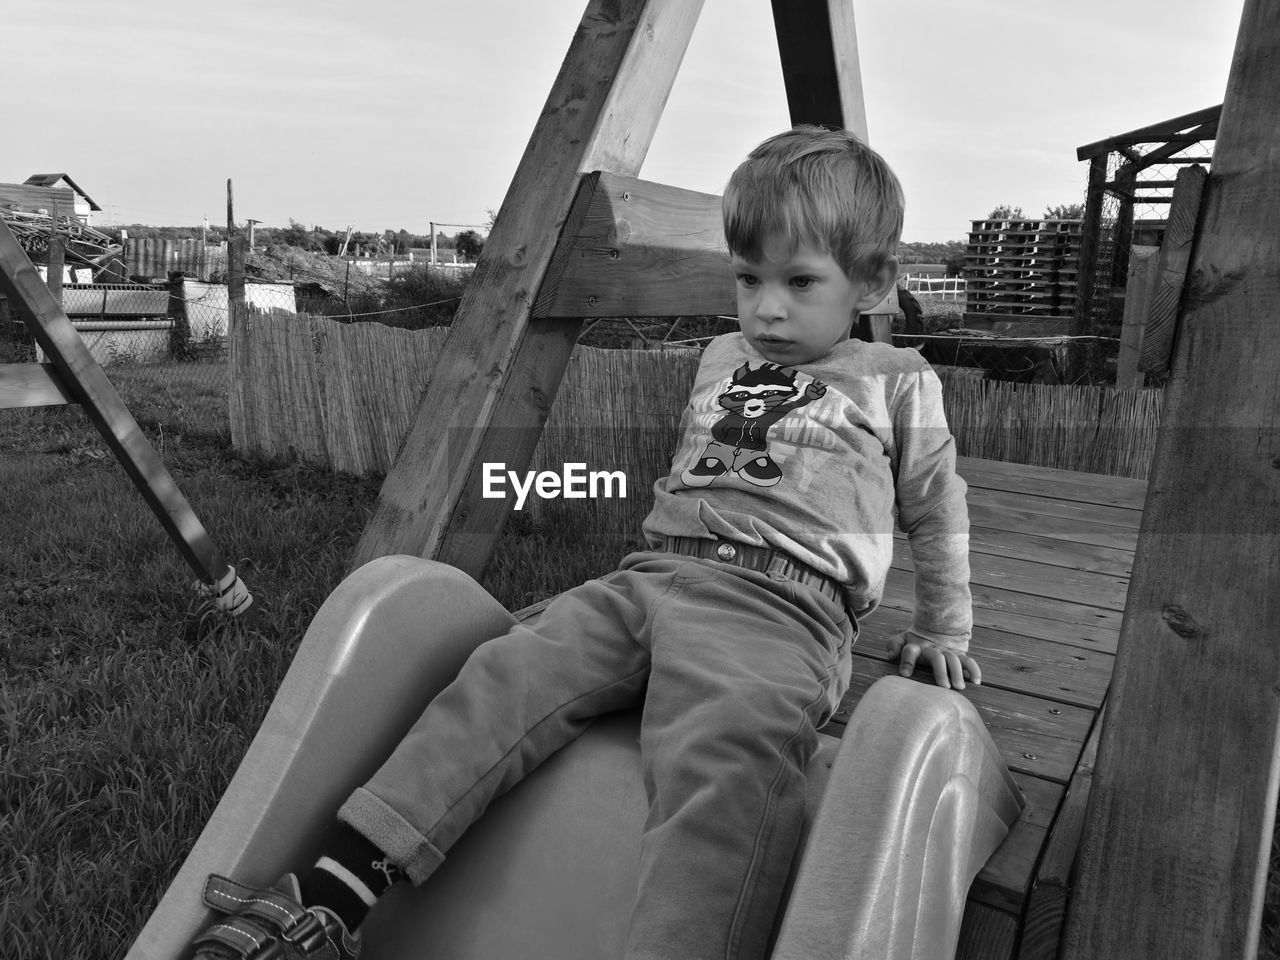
(932, 512)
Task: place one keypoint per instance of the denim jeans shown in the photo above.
(736, 671)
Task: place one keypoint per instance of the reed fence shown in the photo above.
(344, 395)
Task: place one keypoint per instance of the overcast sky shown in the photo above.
(390, 115)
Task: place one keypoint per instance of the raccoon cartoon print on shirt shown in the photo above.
(756, 399)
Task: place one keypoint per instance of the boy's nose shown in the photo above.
(770, 307)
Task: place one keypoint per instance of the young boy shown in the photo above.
(770, 536)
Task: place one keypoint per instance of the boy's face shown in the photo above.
(795, 305)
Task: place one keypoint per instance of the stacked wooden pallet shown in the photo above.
(1021, 272)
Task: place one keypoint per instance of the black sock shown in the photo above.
(349, 877)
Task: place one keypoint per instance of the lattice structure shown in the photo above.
(1020, 271)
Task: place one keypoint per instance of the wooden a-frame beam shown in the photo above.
(1177, 836)
(818, 46)
(75, 373)
(497, 375)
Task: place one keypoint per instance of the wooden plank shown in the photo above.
(1052, 482)
(818, 45)
(31, 385)
(641, 249)
(1071, 554)
(1177, 836)
(1137, 299)
(600, 114)
(1047, 903)
(84, 379)
(1122, 521)
(1043, 580)
(1039, 668)
(1032, 739)
(1006, 878)
(1074, 624)
(1175, 255)
(986, 933)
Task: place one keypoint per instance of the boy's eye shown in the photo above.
(747, 280)
(802, 282)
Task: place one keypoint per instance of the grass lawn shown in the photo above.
(124, 705)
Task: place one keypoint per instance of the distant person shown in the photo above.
(733, 628)
(911, 312)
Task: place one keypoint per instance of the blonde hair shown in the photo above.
(819, 186)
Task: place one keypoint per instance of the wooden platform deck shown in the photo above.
(1050, 557)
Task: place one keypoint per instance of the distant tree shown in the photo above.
(490, 216)
(296, 235)
(1065, 211)
(1006, 212)
(468, 244)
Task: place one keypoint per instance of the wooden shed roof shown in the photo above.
(53, 179)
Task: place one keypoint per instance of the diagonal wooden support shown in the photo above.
(74, 374)
(818, 46)
(1175, 852)
(498, 374)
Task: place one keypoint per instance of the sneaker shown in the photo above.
(762, 471)
(707, 469)
(271, 923)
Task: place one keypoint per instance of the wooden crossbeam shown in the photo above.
(1177, 835)
(642, 249)
(76, 375)
(1206, 119)
(498, 373)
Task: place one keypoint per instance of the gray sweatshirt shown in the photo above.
(817, 460)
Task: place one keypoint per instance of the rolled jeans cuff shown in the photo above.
(413, 853)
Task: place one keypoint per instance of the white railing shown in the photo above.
(953, 288)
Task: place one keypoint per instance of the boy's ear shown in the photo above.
(881, 282)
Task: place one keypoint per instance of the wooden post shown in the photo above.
(1177, 836)
(818, 46)
(1090, 237)
(180, 332)
(57, 263)
(1137, 301)
(1175, 253)
(497, 375)
(1126, 185)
